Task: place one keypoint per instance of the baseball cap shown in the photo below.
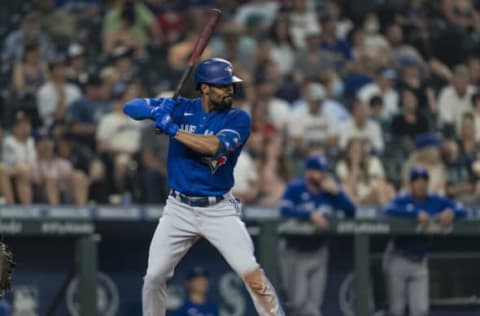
(316, 91)
(197, 271)
(316, 162)
(426, 140)
(408, 62)
(419, 172)
(42, 133)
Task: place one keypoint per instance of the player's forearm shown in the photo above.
(345, 203)
(204, 144)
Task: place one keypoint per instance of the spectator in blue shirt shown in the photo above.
(305, 258)
(196, 303)
(85, 113)
(330, 42)
(405, 262)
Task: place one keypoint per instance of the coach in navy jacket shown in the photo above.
(406, 256)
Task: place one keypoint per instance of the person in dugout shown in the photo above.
(405, 259)
(196, 302)
(305, 258)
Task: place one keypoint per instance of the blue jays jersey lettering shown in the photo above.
(299, 202)
(196, 174)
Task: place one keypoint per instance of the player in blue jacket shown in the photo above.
(405, 260)
(305, 259)
(196, 303)
(206, 137)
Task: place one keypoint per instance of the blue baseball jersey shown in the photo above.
(196, 174)
(404, 205)
(191, 309)
(298, 201)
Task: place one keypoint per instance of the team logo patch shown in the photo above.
(215, 163)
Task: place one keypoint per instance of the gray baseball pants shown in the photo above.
(305, 276)
(407, 285)
(180, 227)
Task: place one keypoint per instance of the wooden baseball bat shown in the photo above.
(200, 45)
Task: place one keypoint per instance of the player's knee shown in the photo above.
(256, 281)
(157, 278)
(154, 281)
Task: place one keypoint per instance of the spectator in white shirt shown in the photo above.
(118, 139)
(309, 126)
(282, 51)
(455, 99)
(360, 126)
(18, 155)
(278, 109)
(382, 86)
(246, 178)
(302, 20)
(55, 96)
(362, 175)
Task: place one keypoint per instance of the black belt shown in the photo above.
(197, 201)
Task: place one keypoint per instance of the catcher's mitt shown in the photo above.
(6, 268)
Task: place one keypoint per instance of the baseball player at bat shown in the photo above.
(405, 260)
(206, 137)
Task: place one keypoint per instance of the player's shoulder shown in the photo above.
(403, 197)
(237, 112)
(182, 101)
(238, 116)
(437, 197)
(296, 185)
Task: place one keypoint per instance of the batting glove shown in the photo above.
(166, 106)
(165, 124)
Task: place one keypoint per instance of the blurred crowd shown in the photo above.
(376, 86)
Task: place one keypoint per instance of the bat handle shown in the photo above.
(185, 76)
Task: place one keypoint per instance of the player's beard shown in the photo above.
(224, 104)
